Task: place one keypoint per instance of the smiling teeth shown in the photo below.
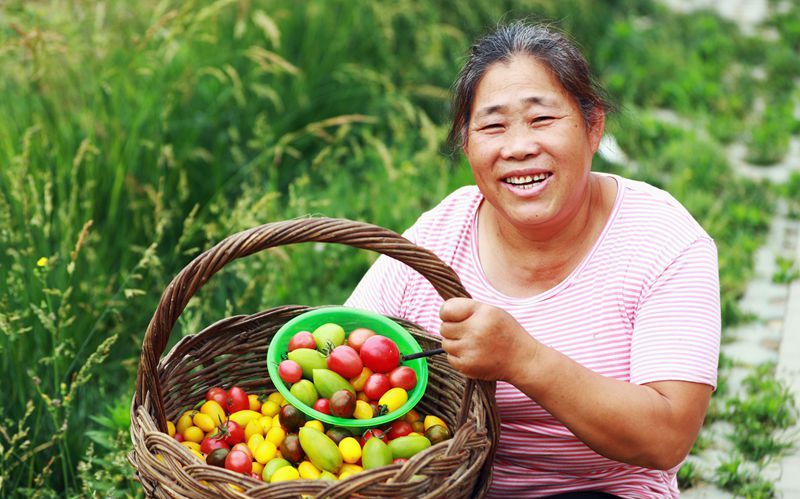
(527, 179)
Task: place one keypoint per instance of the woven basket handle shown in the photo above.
(330, 230)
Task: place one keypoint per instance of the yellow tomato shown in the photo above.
(265, 451)
(213, 409)
(191, 445)
(276, 435)
(276, 397)
(350, 449)
(266, 424)
(199, 455)
(285, 473)
(307, 470)
(193, 434)
(270, 408)
(184, 422)
(317, 425)
(345, 474)
(257, 468)
(204, 422)
(254, 441)
(359, 381)
(253, 428)
(170, 428)
(363, 410)
(245, 416)
(351, 468)
(431, 421)
(276, 421)
(393, 398)
(255, 404)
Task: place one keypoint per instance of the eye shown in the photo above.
(542, 119)
(491, 127)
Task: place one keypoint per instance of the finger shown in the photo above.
(456, 309)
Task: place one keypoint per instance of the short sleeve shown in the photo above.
(677, 326)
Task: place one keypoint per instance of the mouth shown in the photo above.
(527, 181)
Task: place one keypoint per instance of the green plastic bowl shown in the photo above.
(349, 319)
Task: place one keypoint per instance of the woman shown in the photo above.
(595, 298)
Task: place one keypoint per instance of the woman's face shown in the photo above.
(528, 146)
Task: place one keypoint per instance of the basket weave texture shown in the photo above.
(233, 351)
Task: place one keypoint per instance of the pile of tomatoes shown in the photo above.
(357, 375)
(268, 439)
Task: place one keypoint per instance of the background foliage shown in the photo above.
(134, 135)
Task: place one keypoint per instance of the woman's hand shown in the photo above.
(483, 341)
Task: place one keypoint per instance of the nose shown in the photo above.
(520, 143)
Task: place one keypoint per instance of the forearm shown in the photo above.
(635, 424)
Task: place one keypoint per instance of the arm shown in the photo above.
(651, 421)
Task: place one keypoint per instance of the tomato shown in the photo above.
(217, 394)
(212, 443)
(178, 437)
(231, 432)
(303, 339)
(238, 462)
(237, 400)
(350, 450)
(290, 371)
(380, 354)
(403, 377)
(343, 403)
(358, 381)
(323, 405)
(377, 384)
(242, 447)
(345, 361)
(393, 399)
(399, 428)
(373, 433)
(215, 410)
(217, 457)
(358, 336)
(399, 460)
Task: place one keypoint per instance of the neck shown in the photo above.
(526, 258)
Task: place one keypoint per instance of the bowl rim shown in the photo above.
(318, 315)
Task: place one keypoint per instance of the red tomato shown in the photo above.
(178, 437)
(243, 447)
(399, 460)
(290, 371)
(238, 462)
(323, 406)
(303, 339)
(377, 384)
(215, 441)
(358, 336)
(237, 400)
(373, 433)
(345, 361)
(403, 377)
(399, 428)
(380, 354)
(218, 395)
(231, 432)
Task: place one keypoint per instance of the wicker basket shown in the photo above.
(233, 350)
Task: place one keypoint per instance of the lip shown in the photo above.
(534, 191)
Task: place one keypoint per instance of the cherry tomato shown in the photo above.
(290, 371)
(178, 437)
(380, 354)
(303, 339)
(373, 433)
(242, 447)
(358, 336)
(376, 385)
(238, 462)
(323, 405)
(213, 442)
(403, 377)
(237, 400)
(218, 395)
(345, 361)
(231, 432)
(399, 428)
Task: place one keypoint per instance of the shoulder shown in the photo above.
(655, 217)
(447, 220)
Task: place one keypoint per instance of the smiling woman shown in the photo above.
(595, 298)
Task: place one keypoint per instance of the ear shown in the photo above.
(596, 130)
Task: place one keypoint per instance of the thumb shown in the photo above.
(456, 309)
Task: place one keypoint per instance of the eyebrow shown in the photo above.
(536, 100)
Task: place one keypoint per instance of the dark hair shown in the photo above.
(545, 44)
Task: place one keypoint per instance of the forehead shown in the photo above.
(522, 79)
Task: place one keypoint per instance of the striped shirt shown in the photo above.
(642, 306)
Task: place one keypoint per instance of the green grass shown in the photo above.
(134, 135)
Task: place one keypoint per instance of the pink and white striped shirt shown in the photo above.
(642, 306)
